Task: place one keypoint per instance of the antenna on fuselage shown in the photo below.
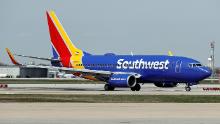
(132, 53)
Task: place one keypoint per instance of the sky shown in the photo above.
(120, 26)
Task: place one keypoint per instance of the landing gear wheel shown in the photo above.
(188, 88)
(107, 87)
(133, 89)
(137, 87)
(112, 88)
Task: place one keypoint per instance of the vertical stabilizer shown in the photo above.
(63, 47)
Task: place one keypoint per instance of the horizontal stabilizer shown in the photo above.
(34, 57)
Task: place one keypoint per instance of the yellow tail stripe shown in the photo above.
(63, 33)
(76, 53)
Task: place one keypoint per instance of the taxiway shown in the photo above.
(147, 89)
(109, 113)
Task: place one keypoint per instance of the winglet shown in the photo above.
(12, 58)
(170, 53)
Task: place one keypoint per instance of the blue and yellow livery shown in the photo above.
(122, 70)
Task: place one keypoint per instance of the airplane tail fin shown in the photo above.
(62, 46)
(12, 58)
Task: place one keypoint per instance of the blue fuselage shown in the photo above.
(152, 68)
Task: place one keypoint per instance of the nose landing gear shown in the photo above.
(187, 87)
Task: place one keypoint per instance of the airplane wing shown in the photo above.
(86, 73)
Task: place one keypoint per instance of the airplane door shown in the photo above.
(178, 66)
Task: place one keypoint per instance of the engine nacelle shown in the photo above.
(122, 80)
(164, 85)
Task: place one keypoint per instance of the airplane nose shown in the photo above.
(206, 72)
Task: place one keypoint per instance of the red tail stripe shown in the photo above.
(58, 42)
(13, 61)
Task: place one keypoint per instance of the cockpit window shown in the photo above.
(198, 65)
(192, 65)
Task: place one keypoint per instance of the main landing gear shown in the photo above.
(107, 87)
(137, 87)
(187, 87)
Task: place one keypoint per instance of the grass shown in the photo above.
(110, 98)
(209, 82)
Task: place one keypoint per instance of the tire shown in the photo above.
(111, 88)
(188, 89)
(137, 87)
(107, 87)
(133, 89)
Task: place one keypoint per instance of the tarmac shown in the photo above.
(109, 113)
(147, 89)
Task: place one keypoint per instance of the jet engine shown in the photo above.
(122, 80)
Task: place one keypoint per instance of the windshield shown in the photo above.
(192, 65)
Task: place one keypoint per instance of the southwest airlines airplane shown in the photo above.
(120, 70)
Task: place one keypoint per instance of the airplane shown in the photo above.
(127, 71)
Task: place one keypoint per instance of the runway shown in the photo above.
(109, 113)
(147, 89)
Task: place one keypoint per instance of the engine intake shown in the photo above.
(122, 80)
